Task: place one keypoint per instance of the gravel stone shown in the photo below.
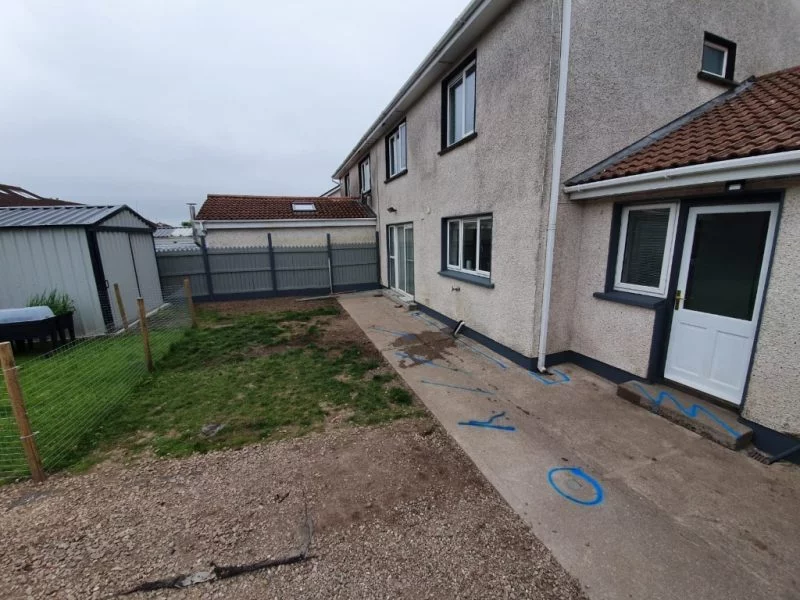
(398, 510)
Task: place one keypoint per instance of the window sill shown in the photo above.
(630, 299)
(467, 277)
(396, 176)
(460, 142)
(716, 79)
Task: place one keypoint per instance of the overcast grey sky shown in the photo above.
(155, 103)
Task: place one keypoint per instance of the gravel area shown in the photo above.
(399, 512)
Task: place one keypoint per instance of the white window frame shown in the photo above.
(461, 221)
(461, 79)
(724, 50)
(365, 179)
(666, 263)
(398, 148)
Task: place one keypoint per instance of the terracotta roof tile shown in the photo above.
(11, 195)
(761, 116)
(263, 208)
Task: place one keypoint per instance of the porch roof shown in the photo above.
(759, 117)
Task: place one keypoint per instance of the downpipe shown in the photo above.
(555, 176)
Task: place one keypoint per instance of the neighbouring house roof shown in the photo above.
(168, 232)
(334, 191)
(60, 216)
(12, 195)
(269, 208)
(760, 116)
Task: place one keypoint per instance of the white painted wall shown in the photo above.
(305, 236)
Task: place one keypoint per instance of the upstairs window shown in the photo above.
(644, 257)
(459, 104)
(347, 185)
(364, 176)
(718, 58)
(469, 245)
(396, 151)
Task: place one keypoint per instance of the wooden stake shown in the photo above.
(148, 357)
(187, 289)
(20, 414)
(121, 306)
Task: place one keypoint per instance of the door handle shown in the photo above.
(678, 298)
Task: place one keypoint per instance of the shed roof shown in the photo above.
(760, 116)
(59, 216)
(268, 208)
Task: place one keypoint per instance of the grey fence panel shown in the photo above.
(175, 265)
(354, 265)
(300, 268)
(248, 272)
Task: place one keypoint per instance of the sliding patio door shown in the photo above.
(401, 258)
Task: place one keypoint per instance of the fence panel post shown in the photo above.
(207, 267)
(9, 368)
(187, 289)
(148, 357)
(121, 306)
(272, 271)
(330, 261)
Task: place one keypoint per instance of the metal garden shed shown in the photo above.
(83, 251)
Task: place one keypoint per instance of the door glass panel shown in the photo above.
(409, 260)
(401, 259)
(392, 264)
(725, 264)
(470, 245)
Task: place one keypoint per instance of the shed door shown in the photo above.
(119, 268)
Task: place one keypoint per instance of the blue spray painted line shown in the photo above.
(400, 334)
(538, 376)
(692, 412)
(458, 387)
(576, 472)
(489, 424)
(421, 360)
(425, 319)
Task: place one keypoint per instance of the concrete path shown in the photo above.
(632, 505)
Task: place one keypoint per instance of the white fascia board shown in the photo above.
(289, 223)
(779, 164)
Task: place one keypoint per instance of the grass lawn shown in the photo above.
(259, 376)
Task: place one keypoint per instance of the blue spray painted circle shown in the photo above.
(577, 472)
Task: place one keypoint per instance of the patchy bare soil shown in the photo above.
(399, 512)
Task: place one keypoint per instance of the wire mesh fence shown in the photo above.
(69, 390)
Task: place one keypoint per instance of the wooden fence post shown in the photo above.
(9, 368)
(121, 306)
(187, 289)
(148, 357)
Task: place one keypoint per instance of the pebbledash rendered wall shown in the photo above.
(632, 71)
(499, 172)
(773, 392)
(294, 236)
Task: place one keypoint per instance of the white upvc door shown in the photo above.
(401, 258)
(720, 290)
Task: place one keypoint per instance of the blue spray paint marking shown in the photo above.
(564, 377)
(489, 424)
(692, 412)
(426, 319)
(457, 387)
(401, 334)
(576, 472)
(421, 360)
